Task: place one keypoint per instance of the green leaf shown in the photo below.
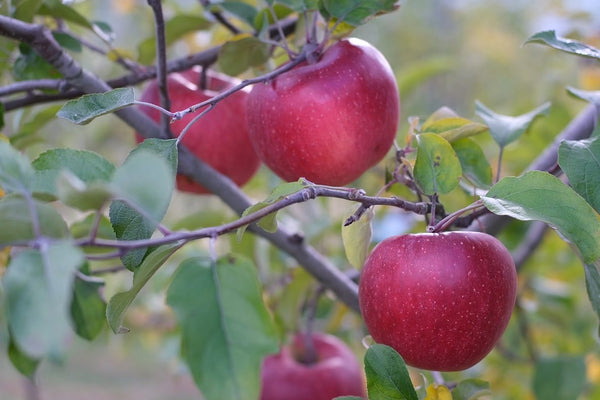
(269, 223)
(119, 303)
(474, 164)
(437, 168)
(549, 38)
(16, 172)
(25, 9)
(241, 10)
(83, 110)
(87, 166)
(540, 196)
(226, 328)
(68, 42)
(30, 131)
(38, 288)
(22, 362)
(16, 220)
(592, 285)
(175, 29)
(580, 160)
(387, 376)
(75, 193)
(30, 66)
(471, 389)
(357, 239)
(591, 96)
(356, 12)
(561, 378)
(146, 182)
(58, 10)
(297, 5)
(506, 129)
(88, 308)
(414, 75)
(128, 224)
(245, 51)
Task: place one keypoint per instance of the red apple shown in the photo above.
(336, 372)
(328, 121)
(441, 300)
(219, 138)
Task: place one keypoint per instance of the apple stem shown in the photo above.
(309, 355)
(447, 221)
(499, 166)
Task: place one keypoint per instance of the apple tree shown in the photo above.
(283, 109)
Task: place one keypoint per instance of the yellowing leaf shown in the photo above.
(357, 238)
(4, 253)
(438, 392)
(117, 54)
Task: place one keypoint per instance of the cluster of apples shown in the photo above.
(327, 121)
(442, 300)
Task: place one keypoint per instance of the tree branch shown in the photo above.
(322, 269)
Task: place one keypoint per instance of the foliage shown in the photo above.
(65, 212)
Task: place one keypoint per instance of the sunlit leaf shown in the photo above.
(437, 168)
(571, 46)
(541, 196)
(387, 375)
(38, 287)
(561, 378)
(225, 325)
(580, 160)
(119, 303)
(454, 128)
(241, 53)
(506, 129)
(83, 110)
(357, 239)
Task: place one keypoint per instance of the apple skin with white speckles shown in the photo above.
(441, 300)
(328, 121)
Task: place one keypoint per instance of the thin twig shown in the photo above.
(220, 18)
(161, 65)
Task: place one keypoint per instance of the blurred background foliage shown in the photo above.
(444, 54)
